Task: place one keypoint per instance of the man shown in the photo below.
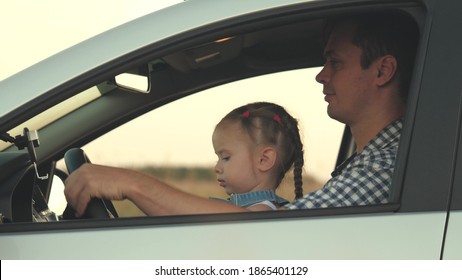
(369, 61)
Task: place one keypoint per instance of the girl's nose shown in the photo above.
(218, 168)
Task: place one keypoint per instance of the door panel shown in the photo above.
(453, 244)
(365, 236)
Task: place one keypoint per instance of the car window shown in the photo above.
(174, 141)
(59, 110)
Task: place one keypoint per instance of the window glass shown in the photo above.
(59, 110)
(57, 202)
(174, 142)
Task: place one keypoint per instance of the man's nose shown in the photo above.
(322, 76)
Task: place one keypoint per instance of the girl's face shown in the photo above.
(236, 169)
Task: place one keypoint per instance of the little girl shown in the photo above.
(256, 145)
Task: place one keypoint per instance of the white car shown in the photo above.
(78, 95)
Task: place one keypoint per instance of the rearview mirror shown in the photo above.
(137, 81)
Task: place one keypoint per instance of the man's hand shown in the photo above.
(98, 181)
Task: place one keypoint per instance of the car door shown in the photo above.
(453, 242)
(433, 172)
(409, 227)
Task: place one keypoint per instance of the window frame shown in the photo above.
(184, 40)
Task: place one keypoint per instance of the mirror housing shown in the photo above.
(138, 80)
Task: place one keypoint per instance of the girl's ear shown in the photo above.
(386, 69)
(267, 158)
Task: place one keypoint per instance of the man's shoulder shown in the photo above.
(386, 141)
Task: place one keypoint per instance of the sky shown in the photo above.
(33, 30)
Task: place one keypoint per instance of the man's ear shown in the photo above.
(267, 159)
(386, 69)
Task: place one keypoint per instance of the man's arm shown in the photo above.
(151, 195)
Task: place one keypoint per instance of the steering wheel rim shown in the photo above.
(96, 208)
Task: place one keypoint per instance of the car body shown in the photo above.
(72, 98)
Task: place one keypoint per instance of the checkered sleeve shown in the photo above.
(365, 181)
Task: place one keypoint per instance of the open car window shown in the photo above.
(193, 79)
(173, 142)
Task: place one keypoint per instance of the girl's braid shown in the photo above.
(296, 156)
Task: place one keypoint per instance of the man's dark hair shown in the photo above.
(385, 33)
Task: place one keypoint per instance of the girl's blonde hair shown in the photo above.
(269, 123)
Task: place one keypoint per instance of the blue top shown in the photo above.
(250, 198)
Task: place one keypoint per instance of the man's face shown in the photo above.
(348, 88)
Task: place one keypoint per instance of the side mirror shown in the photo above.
(138, 81)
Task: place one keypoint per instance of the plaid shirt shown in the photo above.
(366, 178)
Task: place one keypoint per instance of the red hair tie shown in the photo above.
(246, 114)
(277, 118)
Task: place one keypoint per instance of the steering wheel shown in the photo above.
(96, 208)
